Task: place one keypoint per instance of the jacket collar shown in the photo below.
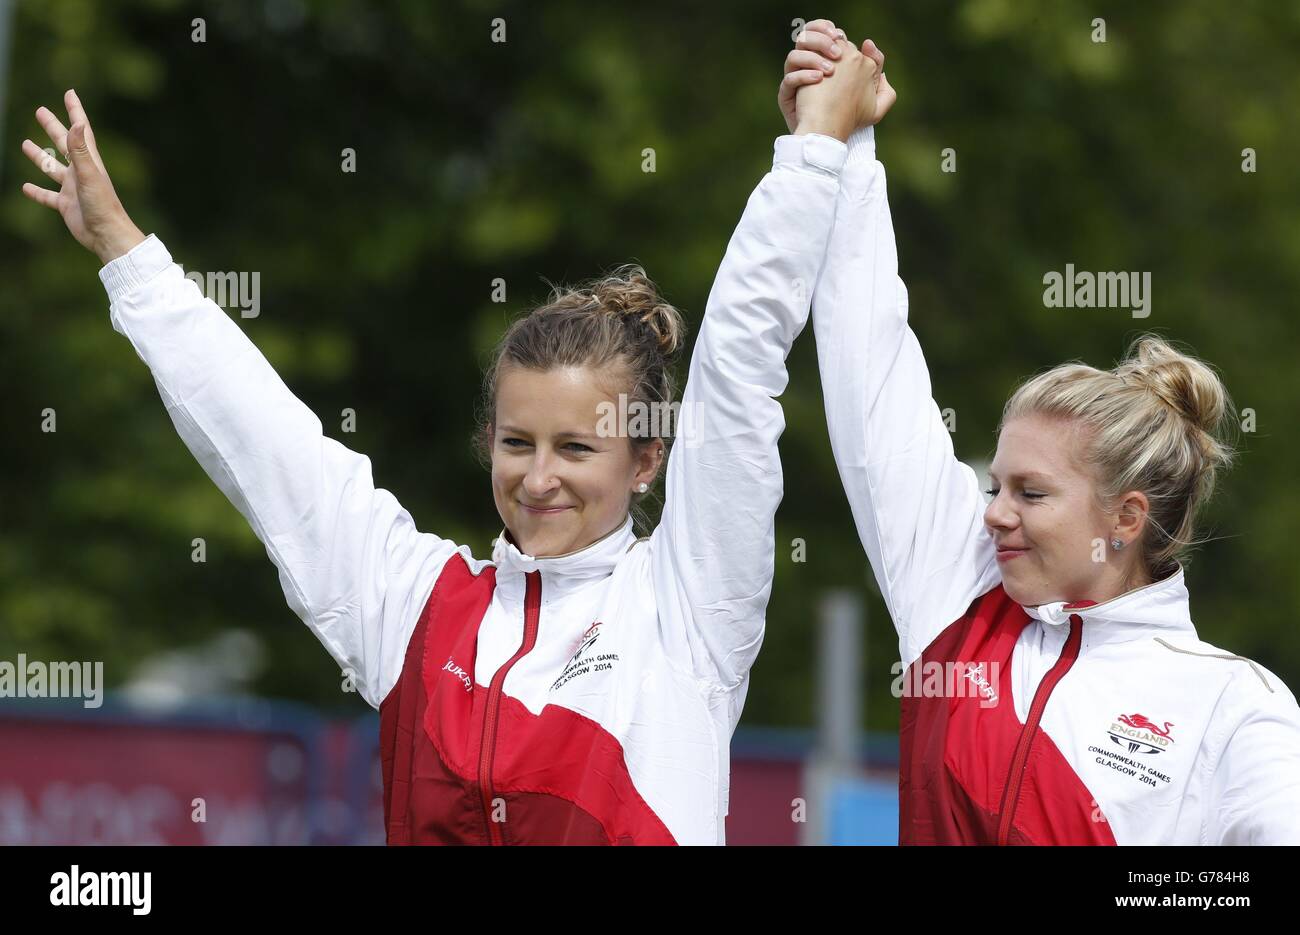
(1162, 604)
(565, 571)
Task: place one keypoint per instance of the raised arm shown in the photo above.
(918, 510)
(351, 562)
(712, 554)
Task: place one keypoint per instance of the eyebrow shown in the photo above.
(1027, 475)
(514, 430)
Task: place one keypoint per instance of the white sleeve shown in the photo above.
(1255, 787)
(919, 510)
(351, 562)
(712, 555)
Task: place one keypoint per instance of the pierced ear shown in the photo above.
(1135, 509)
(651, 456)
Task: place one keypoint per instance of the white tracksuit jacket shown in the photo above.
(583, 698)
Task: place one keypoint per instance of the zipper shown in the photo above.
(487, 747)
(1016, 774)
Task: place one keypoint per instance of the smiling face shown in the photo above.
(558, 485)
(1046, 519)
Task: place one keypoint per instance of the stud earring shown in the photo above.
(1117, 544)
(642, 487)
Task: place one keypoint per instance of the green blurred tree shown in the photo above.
(523, 161)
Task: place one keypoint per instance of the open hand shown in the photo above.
(85, 199)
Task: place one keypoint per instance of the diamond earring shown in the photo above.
(1117, 544)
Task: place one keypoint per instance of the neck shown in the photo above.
(1113, 586)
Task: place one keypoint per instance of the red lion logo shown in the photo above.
(1141, 722)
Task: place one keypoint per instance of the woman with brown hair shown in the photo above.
(582, 684)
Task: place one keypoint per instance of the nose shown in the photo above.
(998, 515)
(541, 479)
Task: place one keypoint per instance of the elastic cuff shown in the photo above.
(862, 146)
(813, 150)
(128, 272)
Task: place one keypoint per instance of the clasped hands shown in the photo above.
(831, 86)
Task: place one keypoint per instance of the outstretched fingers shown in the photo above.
(53, 128)
(77, 115)
(44, 160)
(42, 196)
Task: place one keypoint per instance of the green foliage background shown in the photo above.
(522, 160)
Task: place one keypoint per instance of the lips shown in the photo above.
(1005, 553)
(544, 510)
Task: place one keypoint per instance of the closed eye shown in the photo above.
(1026, 494)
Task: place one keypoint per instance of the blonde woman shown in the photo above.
(1056, 690)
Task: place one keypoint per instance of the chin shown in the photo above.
(545, 548)
(533, 543)
(1025, 593)
(543, 543)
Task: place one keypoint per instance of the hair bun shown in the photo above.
(628, 293)
(1184, 383)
